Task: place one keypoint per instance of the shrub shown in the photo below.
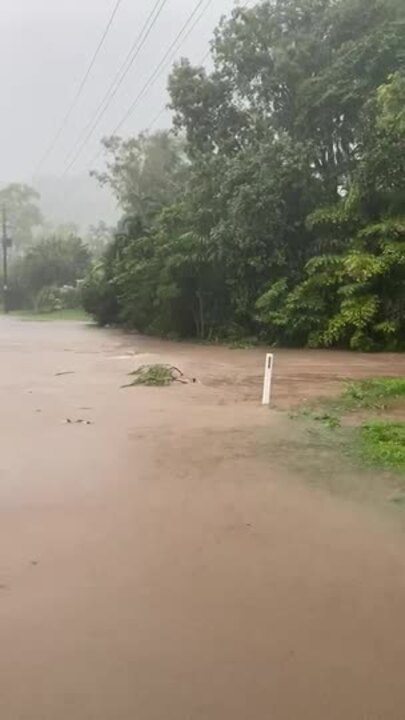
(98, 297)
(47, 300)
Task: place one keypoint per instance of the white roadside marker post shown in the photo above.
(268, 377)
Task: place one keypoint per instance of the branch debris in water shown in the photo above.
(157, 376)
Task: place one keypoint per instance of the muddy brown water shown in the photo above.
(155, 566)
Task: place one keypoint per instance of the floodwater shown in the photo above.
(156, 565)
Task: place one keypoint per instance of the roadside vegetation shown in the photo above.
(383, 443)
(271, 211)
(46, 277)
(46, 263)
(274, 209)
(366, 417)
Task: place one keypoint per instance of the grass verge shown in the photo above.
(383, 444)
(371, 394)
(376, 441)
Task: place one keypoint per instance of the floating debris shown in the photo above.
(158, 376)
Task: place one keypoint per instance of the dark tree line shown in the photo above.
(276, 206)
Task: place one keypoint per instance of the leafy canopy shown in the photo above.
(275, 206)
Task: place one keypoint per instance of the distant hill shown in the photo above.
(77, 200)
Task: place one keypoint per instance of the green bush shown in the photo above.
(47, 300)
(98, 297)
(46, 277)
(70, 297)
(52, 299)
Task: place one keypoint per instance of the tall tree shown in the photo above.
(292, 181)
(305, 67)
(24, 215)
(55, 261)
(354, 294)
(98, 238)
(145, 173)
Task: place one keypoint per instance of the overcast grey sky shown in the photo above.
(45, 48)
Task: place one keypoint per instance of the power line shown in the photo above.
(119, 78)
(156, 118)
(160, 67)
(201, 62)
(80, 87)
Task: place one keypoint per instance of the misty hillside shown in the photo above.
(77, 200)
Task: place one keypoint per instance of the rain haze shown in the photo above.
(202, 352)
(45, 52)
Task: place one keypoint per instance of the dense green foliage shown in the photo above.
(281, 211)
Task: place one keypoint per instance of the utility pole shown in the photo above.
(6, 242)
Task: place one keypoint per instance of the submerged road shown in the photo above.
(156, 565)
